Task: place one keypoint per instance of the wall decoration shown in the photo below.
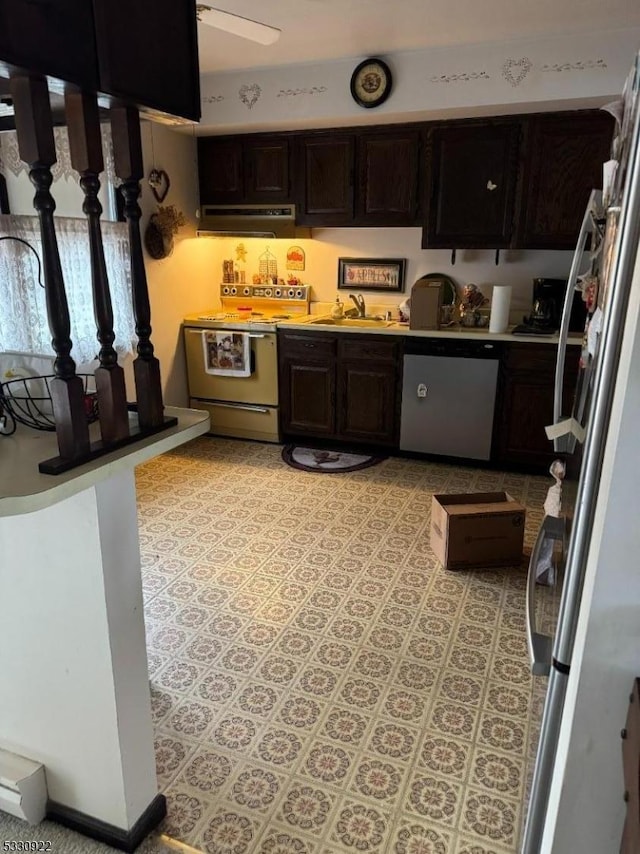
(463, 77)
(312, 90)
(162, 225)
(213, 99)
(576, 66)
(295, 258)
(249, 94)
(515, 70)
(159, 183)
(371, 274)
(241, 253)
(371, 83)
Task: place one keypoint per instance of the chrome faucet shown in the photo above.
(359, 303)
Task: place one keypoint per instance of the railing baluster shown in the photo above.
(85, 146)
(127, 152)
(36, 144)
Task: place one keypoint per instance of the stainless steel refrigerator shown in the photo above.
(603, 267)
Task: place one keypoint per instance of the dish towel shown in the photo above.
(227, 354)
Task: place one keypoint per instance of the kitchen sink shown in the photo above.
(351, 321)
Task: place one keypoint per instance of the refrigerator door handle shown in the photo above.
(587, 228)
(540, 646)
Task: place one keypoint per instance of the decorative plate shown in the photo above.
(371, 83)
(449, 291)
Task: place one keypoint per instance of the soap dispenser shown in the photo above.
(338, 309)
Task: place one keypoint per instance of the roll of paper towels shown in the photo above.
(500, 301)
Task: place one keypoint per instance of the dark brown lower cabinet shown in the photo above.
(339, 387)
(525, 403)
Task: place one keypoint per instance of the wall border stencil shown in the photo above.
(249, 94)
(515, 70)
(462, 77)
(576, 66)
(311, 90)
(212, 99)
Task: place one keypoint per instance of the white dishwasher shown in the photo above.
(448, 396)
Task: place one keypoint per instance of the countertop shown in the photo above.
(23, 489)
(313, 322)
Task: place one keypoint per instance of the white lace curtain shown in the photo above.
(23, 316)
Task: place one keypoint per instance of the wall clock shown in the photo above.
(371, 83)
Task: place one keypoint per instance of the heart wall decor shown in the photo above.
(249, 94)
(159, 183)
(515, 70)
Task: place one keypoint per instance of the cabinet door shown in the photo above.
(220, 170)
(148, 53)
(308, 398)
(326, 180)
(526, 403)
(387, 192)
(565, 160)
(472, 172)
(367, 407)
(55, 39)
(266, 165)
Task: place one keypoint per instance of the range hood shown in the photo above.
(250, 221)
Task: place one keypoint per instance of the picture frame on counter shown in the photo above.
(371, 274)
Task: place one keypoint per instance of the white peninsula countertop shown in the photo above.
(23, 489)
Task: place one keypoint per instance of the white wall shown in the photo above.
(516, 268)
(485, 79)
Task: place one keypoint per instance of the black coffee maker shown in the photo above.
(546, 310)
(548, 299)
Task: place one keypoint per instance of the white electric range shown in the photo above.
(247, 406)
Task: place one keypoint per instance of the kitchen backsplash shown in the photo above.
(516, 267)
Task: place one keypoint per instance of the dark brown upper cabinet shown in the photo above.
(54, 39)
(244, 170)
(144, 53)
(148, 54)
(564, 163)
(472, 171)
(267, 169)
(388, 180)
(326, 167)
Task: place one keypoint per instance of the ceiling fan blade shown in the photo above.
(239, 26)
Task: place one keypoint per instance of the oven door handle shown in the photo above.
(244, 406)
(540, 646)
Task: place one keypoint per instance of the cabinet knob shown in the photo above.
(623, 734)
(625, 797)
(491, 185)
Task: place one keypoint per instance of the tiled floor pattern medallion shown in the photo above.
(320, 684)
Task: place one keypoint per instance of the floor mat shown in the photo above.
(312, 459)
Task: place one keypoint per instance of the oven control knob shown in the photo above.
(225, 290)
(246, 292)
(290, 293)
(278, 292)
(268, 292)
(234, 291)
(298, 294)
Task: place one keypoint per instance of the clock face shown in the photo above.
(371, 83)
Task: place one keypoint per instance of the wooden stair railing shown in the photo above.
(127, 153)
(34, 129)
(85, 147)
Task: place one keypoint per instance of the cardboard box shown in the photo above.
(477, 529)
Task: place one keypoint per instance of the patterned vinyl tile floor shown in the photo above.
(319, 683)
